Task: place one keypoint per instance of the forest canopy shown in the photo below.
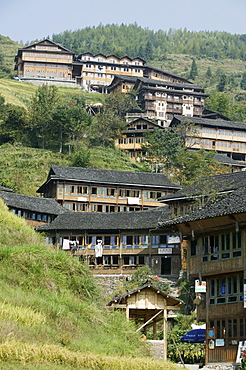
(133, 40)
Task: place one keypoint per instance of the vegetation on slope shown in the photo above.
(8, 50)
(52, 312)
(21, 93)
(24, 169)
(134, 40)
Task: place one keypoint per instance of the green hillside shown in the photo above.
(8, 50)
(52, 314)
(20, 93)
(172, 50)
(25, 169)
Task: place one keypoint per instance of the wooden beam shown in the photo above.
(177, 307)
(118, 305)
(165, 334)
(152, 318)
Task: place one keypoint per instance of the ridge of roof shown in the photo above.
(31, 203)
(147, 219)
(228, 204)
(219, 183)
(147, 284)
(166, 72)
(210, 122)
(103, 176)
(168, 83)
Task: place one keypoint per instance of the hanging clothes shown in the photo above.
(66, 244)
(98, 248)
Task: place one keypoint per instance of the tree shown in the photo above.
(219, 102)
(166, 149)
(106, 128)
(108, 124)
(193, 71)
(222, 83)
(15, 126)
(162, 147)
(243, 82)
(42, 107)
(149, 51)
(81, 158)
(120, 103)
(209, 72)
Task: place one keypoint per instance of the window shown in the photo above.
(60, 189)
(141, 260)
(221, 246)
(94, 191)
(126, 260)
(115, 260)
(155, 241)
(81, 207)
(82, 190)
(193, 248)
(144, 240)
(226, 289)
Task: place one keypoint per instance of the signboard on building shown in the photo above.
(219, 342)
(200, 287)
(164, 250)
(173, 239)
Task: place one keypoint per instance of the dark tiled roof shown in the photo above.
(35, 204)
(229, 204)
(150, 81)
(211, 114)
(220, 183)
(95, 175)
(171, 300)
(29, 47)
(166, 73)
(109, 221)
(125, 78)
(209, 122)
(223, 158)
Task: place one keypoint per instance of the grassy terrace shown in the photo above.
(52, 313)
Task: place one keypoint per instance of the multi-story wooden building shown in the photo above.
(98, 71)
(215, 236)
(133, 137)
(36, 211)
(219, 135)
(161, 100)
(45, 62)
(97, 190)
(196, 195)
(159, 74)
(118, 243)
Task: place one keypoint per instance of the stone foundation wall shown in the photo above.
(156, 348)
(110, 284)
(44, 81)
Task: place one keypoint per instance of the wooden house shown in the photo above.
(148, 305)
(123, 84)
(45, 62)
(36, 211)
(160, 74)
(98, 71)
(220, 135)
(162, 100)
(118, 243)
(98, 190)
(199, 193)
(216, 246)
(133, 137)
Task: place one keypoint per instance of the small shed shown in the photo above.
(147, 305)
